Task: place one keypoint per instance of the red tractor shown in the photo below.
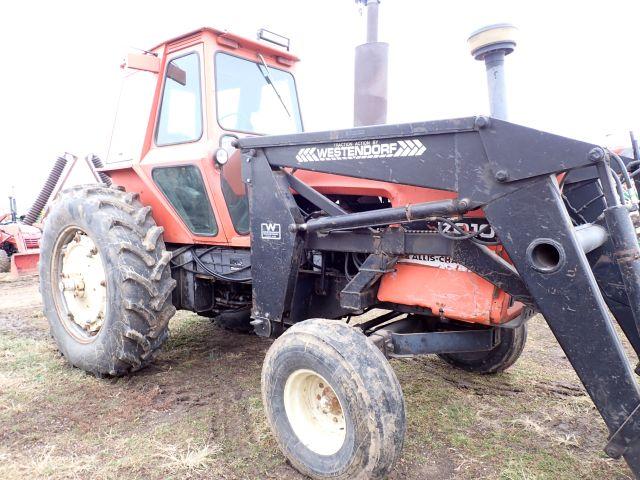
(19, 244)
(448, 234)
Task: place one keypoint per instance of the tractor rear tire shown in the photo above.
(124, 280)
(505, 354)
(333, 402)
(5, 261)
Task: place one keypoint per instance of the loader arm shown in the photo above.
(508, 171)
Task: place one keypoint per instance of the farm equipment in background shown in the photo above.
(449, 234)
(19, 243)
(57, 180)
(20, 237)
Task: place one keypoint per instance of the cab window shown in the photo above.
(132, 116)
(184, 188)
(180, 118)
(254, 98)
(235, 194)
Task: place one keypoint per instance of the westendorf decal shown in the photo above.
(361, 150)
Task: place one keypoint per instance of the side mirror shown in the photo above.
(139, 61)
(151, 63)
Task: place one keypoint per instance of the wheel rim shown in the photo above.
(79, 284)
(314, 412)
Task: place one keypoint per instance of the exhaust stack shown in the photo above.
(491, 44)
(371, 65)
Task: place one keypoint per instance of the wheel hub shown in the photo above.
(82, 283)
(314, 412)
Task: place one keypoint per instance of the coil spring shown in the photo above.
(45, 192)
(98, 164)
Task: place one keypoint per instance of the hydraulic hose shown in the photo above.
(623, 169)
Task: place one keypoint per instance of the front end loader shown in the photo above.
(549, 263)
(349, 247)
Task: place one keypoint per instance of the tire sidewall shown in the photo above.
(342, 381)
(503, 356)
(5, 261)
(366, 385)
(85, 215)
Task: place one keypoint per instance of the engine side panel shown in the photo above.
(448, 290)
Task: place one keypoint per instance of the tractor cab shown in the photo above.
(210, 88)
(182, 106)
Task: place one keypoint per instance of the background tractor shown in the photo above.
(438, 237)
(19, 243)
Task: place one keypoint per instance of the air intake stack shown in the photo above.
(371, 66)
(491, 44)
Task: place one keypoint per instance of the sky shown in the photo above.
(575, 70)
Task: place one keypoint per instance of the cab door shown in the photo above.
(176, 167)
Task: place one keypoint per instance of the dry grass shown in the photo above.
(197, 413)
(190, 459)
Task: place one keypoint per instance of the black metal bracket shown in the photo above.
(419, 336)
(409, 344)
(361, 291)
(627, 434)
(390, 241)
(314, 196)
(484, 262)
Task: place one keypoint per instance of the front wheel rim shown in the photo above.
(314, 412)
(79, 284)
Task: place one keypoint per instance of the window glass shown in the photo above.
(181, 108)
(235, 195)
(255, 99)
(184, 188)
(132, 116)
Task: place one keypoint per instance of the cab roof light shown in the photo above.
(226, 41)
(284, 61)
(269, 36)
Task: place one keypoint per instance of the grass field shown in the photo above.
(197, 412)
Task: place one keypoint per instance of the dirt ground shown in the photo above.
(197, 412)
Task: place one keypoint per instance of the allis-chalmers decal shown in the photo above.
(445, 262)
(361, 150)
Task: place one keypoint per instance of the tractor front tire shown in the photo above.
(5, 261)
(501, 357)
(333, 402)
(105, 280)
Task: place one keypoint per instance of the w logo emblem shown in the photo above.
(270, 231)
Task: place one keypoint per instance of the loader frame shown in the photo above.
(508, 171)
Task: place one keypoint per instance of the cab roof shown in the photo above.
(222, 35)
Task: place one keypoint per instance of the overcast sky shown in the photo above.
(575, 70)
